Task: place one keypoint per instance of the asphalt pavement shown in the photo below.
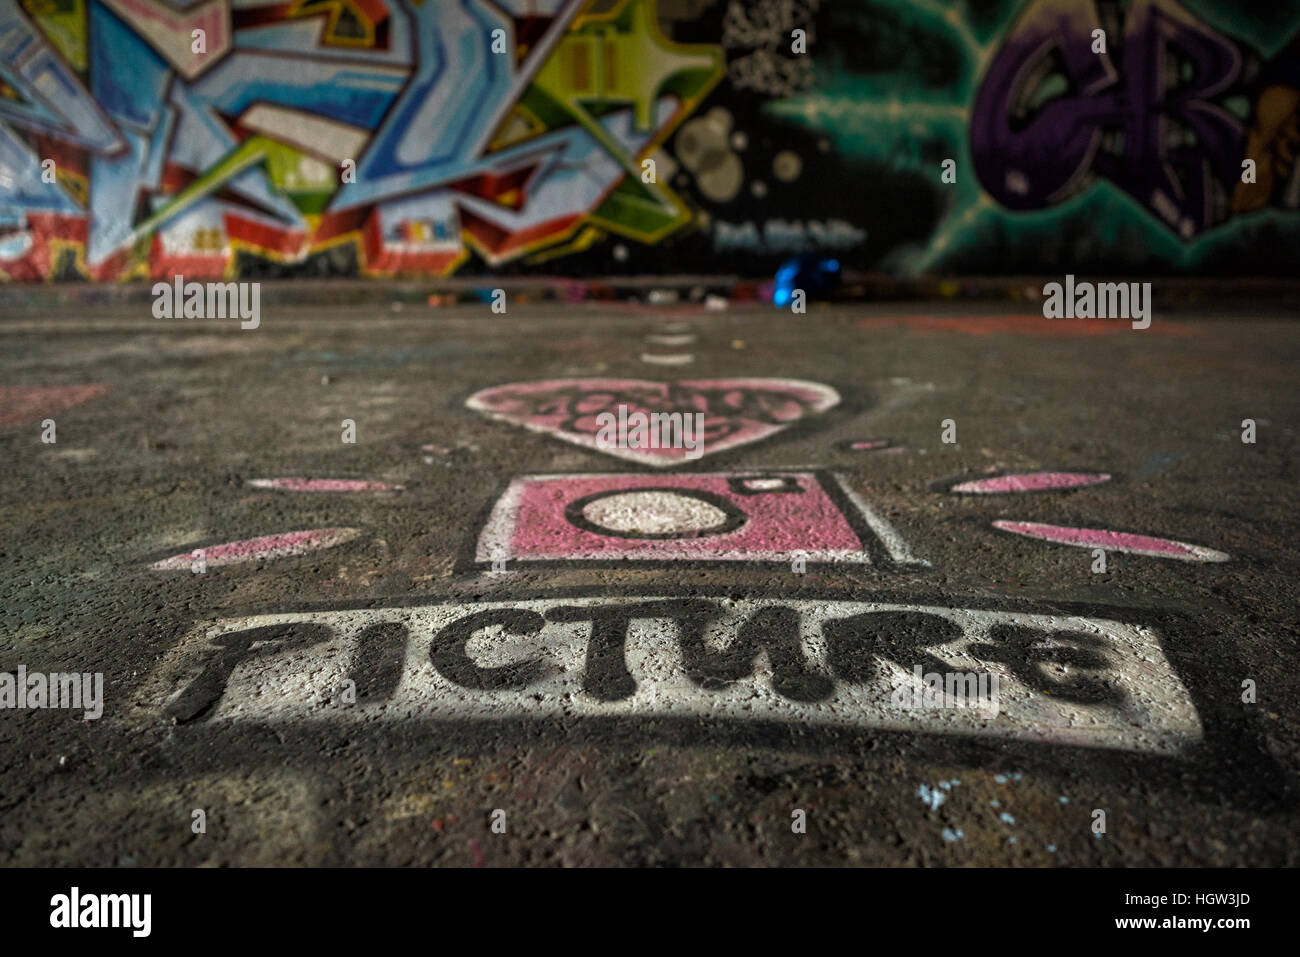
(367, 584)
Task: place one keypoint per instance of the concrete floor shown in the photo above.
(319, 708)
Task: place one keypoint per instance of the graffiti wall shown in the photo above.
(141, 139)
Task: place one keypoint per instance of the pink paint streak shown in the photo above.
(265, 547)
(1031, 482)
(21, 404)
(869, 444)
(1113, 541)
(323, 485)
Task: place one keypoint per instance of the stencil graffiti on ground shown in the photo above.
(263, 548)
(720, 516)
(1094, 538)
(1029, 482)
(1113, 541)
(20, 404)
(736, 411)
(1062, 679)
(298, 484)
(863, 445)
(667, 358)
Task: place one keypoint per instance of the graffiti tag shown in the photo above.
(1051, 114)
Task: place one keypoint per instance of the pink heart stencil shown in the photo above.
(736, 411)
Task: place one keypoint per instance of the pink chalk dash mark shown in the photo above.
(867, 445)
(1030, 482)
(254, 549)
(1113, 541)
(20, 404)
(323, 485)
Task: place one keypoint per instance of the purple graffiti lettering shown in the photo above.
(1051, 114)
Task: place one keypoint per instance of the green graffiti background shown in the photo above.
(895, 81)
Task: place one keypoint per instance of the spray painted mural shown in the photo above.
(184, 133)
(140, 139)
(1102, 135)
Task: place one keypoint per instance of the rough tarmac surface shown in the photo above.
(161, 426)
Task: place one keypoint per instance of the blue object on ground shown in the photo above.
(815, 273)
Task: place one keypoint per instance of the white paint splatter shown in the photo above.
(933, 797)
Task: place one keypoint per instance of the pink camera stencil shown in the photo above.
(769, 516)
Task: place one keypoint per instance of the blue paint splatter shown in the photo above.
(1051, 848)
(1064, 799)
(950, 835)
(1000, 778)
(1007, 818)
(995, 803)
